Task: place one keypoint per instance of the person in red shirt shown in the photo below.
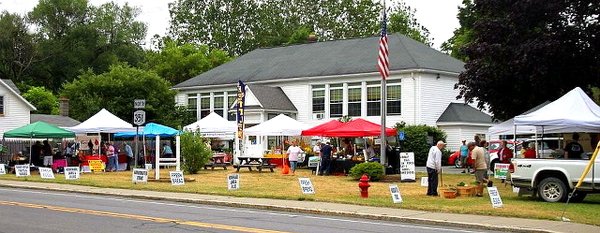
(529, 152)
(504, 154)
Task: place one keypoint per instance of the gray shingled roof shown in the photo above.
(350, 56)
(272, 98)
(60, 121)
(459, 112)
(12, 85)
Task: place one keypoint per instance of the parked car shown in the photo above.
(455, 159)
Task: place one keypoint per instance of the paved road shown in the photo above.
(42, 211)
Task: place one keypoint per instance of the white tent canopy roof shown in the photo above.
(281, 125)
(573, 112)
(213, 124)
(104, 122)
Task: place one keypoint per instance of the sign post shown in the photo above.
(138, 104)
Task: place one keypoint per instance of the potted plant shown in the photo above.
(464, 190)
(449, 192)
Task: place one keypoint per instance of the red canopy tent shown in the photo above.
(322, 128)
(358, 128)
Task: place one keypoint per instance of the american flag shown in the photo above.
(383, 63)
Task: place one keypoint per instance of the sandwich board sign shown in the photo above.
(407, 167)
(139, 176)
(72, 173)
(495, 197)
(46, 173)
(177, 178)
(22, 170)
(233, 181)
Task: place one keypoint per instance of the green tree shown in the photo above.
(17, 48)
(416, 140)
(239, 26)
(195, 152)
(177, 63)
(116, 89)
(42, 99)
(402, 20)
(462, 35)
(523, 53)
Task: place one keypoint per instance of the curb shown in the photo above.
(293, 209)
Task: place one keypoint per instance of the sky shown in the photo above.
(439, 16)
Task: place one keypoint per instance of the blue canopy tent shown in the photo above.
(157, 131)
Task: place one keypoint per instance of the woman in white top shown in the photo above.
(293, 152)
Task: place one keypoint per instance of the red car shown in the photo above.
(455, 159)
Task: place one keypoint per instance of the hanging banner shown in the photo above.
(177, 178)
(395, 192)
(495, 197)
(233, 181)
(46, 173)
(501, 170)
(22, 170)
(407, 167)
(2, 169)
(241, 104)
(306, 186)
(72, 173)
(139, 175)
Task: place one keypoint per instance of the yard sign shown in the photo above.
(46, 173)
(2, 169)
(22, 170)
(306, 186)
(495, 197)
(500, 170)
(72, 173)
(139, 175)
(407, 167)
(177, 178)
(395, 192)
(233, 181)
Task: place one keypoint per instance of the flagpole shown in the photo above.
(383, 65)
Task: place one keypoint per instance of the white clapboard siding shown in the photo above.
(456, 133)
(300, 95)
(436, 94)
(16, 112)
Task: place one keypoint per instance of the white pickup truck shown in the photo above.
(554, 179)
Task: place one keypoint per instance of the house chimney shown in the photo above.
(63, 106)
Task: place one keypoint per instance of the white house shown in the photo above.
(317, 81)
(14, 109)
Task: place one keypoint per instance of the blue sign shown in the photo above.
(401, 136)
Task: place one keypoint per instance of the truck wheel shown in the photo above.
(457, 163)
(578, 197)
(552, 189)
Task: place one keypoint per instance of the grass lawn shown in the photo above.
(341, 189)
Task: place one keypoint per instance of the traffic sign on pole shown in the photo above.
(139, 117)
(139, 103)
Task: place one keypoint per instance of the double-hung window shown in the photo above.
(336, 93)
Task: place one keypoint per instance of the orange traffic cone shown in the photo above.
(286, 169)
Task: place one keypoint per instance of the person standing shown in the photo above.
(112, 159)
(129, 155)
(434, 167)
(293, 152)
(464, 152)
(478, 156)
(326, 159)
(47, 153)
(504, 154)
(573, 149)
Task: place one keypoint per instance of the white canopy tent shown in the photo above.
(215, 126)
(281, 125)
(573, 112)
(102, 122)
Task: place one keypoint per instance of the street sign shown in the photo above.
(139, 117)
(139, 104)
(401, 136)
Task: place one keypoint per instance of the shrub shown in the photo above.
(416, 140)
(374, 170)
(195, 152)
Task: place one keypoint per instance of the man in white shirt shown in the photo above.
(293, 152)
(434, 167)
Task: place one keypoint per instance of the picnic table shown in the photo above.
(217, 160)
(254, 162)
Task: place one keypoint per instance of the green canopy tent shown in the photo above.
(38, 130)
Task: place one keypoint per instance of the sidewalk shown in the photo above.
(390, 214)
